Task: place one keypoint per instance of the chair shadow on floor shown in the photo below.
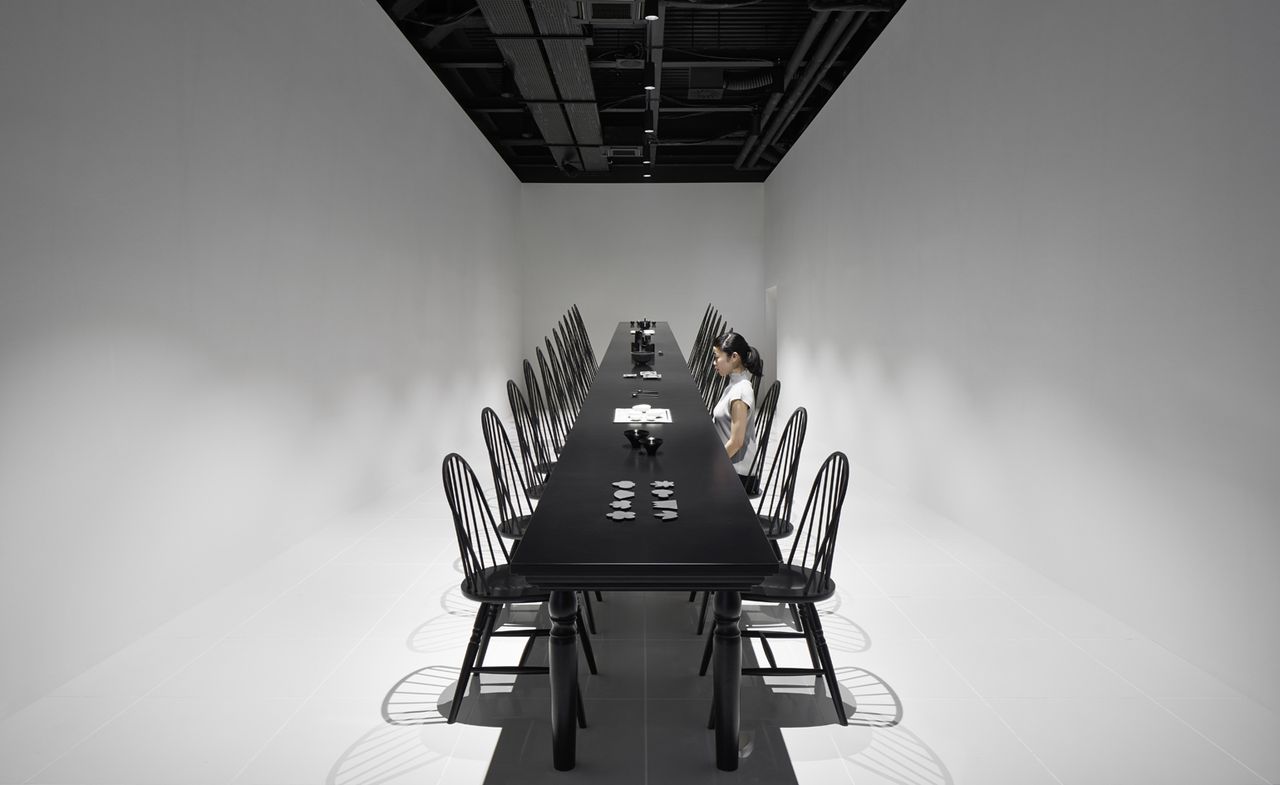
(384, 754)
(652, 728)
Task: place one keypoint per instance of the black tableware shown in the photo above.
(651, 444)
(636, 436)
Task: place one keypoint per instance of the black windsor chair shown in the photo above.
(698, 356)
(558, 421)
(803, 580)
(774, 507)
(577, 353)
(509, 482)
(574, 373)
(531, 451)
(543, 428)
(573, 404)
(703, 352)
(765, 409)
(585, 339)
(708, 373)
(489, 581)
(699, 338)
(515, 509)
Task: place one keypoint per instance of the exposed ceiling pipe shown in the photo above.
(849, 5)
(793, 64)
(807, 89)
(811, 72)
(717, 6)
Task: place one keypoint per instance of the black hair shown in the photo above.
(733, 342)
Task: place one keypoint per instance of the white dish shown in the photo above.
(642, 407)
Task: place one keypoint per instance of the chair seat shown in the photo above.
(499, 584)
(775, 528)
(790, 584)
(515, 528)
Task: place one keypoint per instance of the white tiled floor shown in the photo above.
(292, 675)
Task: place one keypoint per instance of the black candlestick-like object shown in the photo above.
(642, 349)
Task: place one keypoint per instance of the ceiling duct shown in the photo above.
(567, 52)
(749, 82)
(706, 84)
(527, 49)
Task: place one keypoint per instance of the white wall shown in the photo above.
(655, 250)
(248, 249)
(1027, 267)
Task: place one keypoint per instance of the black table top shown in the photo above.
(716, 542)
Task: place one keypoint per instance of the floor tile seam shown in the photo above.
(644, 680)
(969, 684)
(1052, 627)
(985, 701)
(325, 680)
(1128, 682)
(350, 651)
(1261, 779)
(182, 669)
(196, 658)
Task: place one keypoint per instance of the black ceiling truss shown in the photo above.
(591, 90)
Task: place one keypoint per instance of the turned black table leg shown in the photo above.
(728, 678)
(563, 659)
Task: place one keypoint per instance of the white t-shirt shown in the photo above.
(739, 389)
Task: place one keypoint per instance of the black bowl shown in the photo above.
(651, 444)
(636, 436)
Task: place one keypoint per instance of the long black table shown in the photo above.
(716, 542)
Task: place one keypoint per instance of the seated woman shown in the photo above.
(734, 414)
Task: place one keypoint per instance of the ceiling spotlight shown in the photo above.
(650, 77)
(650, 10)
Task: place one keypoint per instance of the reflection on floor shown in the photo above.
(335, 662)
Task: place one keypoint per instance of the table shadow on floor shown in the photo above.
(664, 738)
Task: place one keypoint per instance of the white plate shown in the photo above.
(642, 407)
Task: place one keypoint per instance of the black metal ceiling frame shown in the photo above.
(544, 45)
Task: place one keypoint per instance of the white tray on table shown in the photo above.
(648, 416)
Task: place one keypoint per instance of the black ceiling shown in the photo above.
(559, 86)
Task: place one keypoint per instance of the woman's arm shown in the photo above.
(738, 415)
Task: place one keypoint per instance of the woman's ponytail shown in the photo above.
(733, 342)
